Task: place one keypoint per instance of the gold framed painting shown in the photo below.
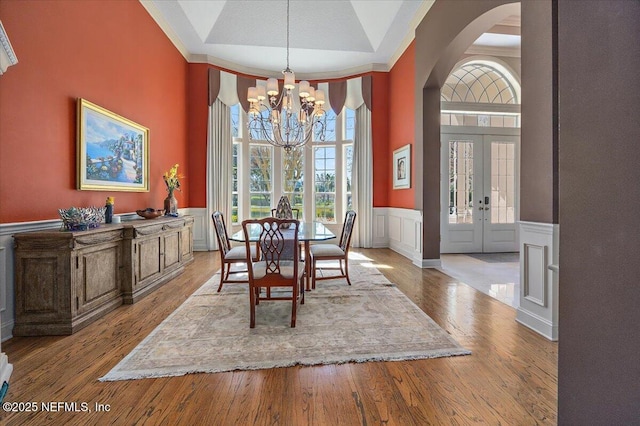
(112, 151)
(402, 167)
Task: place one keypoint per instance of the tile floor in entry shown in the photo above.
(495, 274)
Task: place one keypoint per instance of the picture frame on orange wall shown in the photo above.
(112, 151)
(402, 167)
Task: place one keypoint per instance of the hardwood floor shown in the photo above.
(510, 378)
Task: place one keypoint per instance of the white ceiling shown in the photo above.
(328, 38)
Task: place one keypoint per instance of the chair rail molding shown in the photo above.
(7, 55)
(538, 310)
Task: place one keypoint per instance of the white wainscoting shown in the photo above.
(201, 224)
(539, 243)
(401, 231)
(7, 293)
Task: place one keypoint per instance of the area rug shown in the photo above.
(371, 320)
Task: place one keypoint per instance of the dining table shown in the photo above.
(307, 233)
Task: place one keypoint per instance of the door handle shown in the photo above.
(486, 200)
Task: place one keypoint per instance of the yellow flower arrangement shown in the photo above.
(172, 179)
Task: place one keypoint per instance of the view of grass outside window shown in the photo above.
(325, 183)
(293, 178)
(260, 183)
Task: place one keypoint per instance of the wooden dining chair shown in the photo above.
(229, 255)
(279, 264)
(340, 252)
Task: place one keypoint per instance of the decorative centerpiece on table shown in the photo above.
(172, 180)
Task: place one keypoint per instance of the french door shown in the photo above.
(480, 193)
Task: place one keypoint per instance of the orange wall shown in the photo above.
(198, 122)
(110, 53)
(402, 122)
(380, 139)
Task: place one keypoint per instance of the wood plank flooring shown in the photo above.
(510, 378)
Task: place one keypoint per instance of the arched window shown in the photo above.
(482, 94)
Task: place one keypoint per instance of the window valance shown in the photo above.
(232, 89)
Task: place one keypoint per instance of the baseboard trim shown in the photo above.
(427, 263)
(537, 324)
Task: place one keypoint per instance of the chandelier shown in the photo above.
(276, 118)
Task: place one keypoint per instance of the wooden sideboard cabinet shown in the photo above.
(155, 252)
(66, 280)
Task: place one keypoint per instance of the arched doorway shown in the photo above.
(480, 128)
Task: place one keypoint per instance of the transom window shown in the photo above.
(316, 178)
(479, 94)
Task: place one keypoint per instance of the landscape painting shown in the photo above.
(113, 152)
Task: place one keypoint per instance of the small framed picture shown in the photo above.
(402, 167)
(113, 152)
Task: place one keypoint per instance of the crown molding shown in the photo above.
(411, 34)
(7, 55)
(165, 27)
(258, 72)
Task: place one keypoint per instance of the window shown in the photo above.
(293, 178)
(325, 183)
(480, 94)
(260, 183)
(316, 178)
(234, 184)
(348, 167)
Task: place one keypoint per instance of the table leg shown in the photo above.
(307, 264)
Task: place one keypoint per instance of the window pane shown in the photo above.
(326, 208)
(348, 165)
(349, 123)
(234, 183)
(330, 128)
(235, 121)
(260, 172)
(259, 129)
(293, 177)
(460, 182)
(325, 183)
(502, 183)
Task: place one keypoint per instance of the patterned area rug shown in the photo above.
(369, 321)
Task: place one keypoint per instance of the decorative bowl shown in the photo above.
(81, 218)
(150, 213)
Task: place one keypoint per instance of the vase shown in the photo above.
(170, 205)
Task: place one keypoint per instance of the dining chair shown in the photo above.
(279, 264)
(229, 255)
(340, 252)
